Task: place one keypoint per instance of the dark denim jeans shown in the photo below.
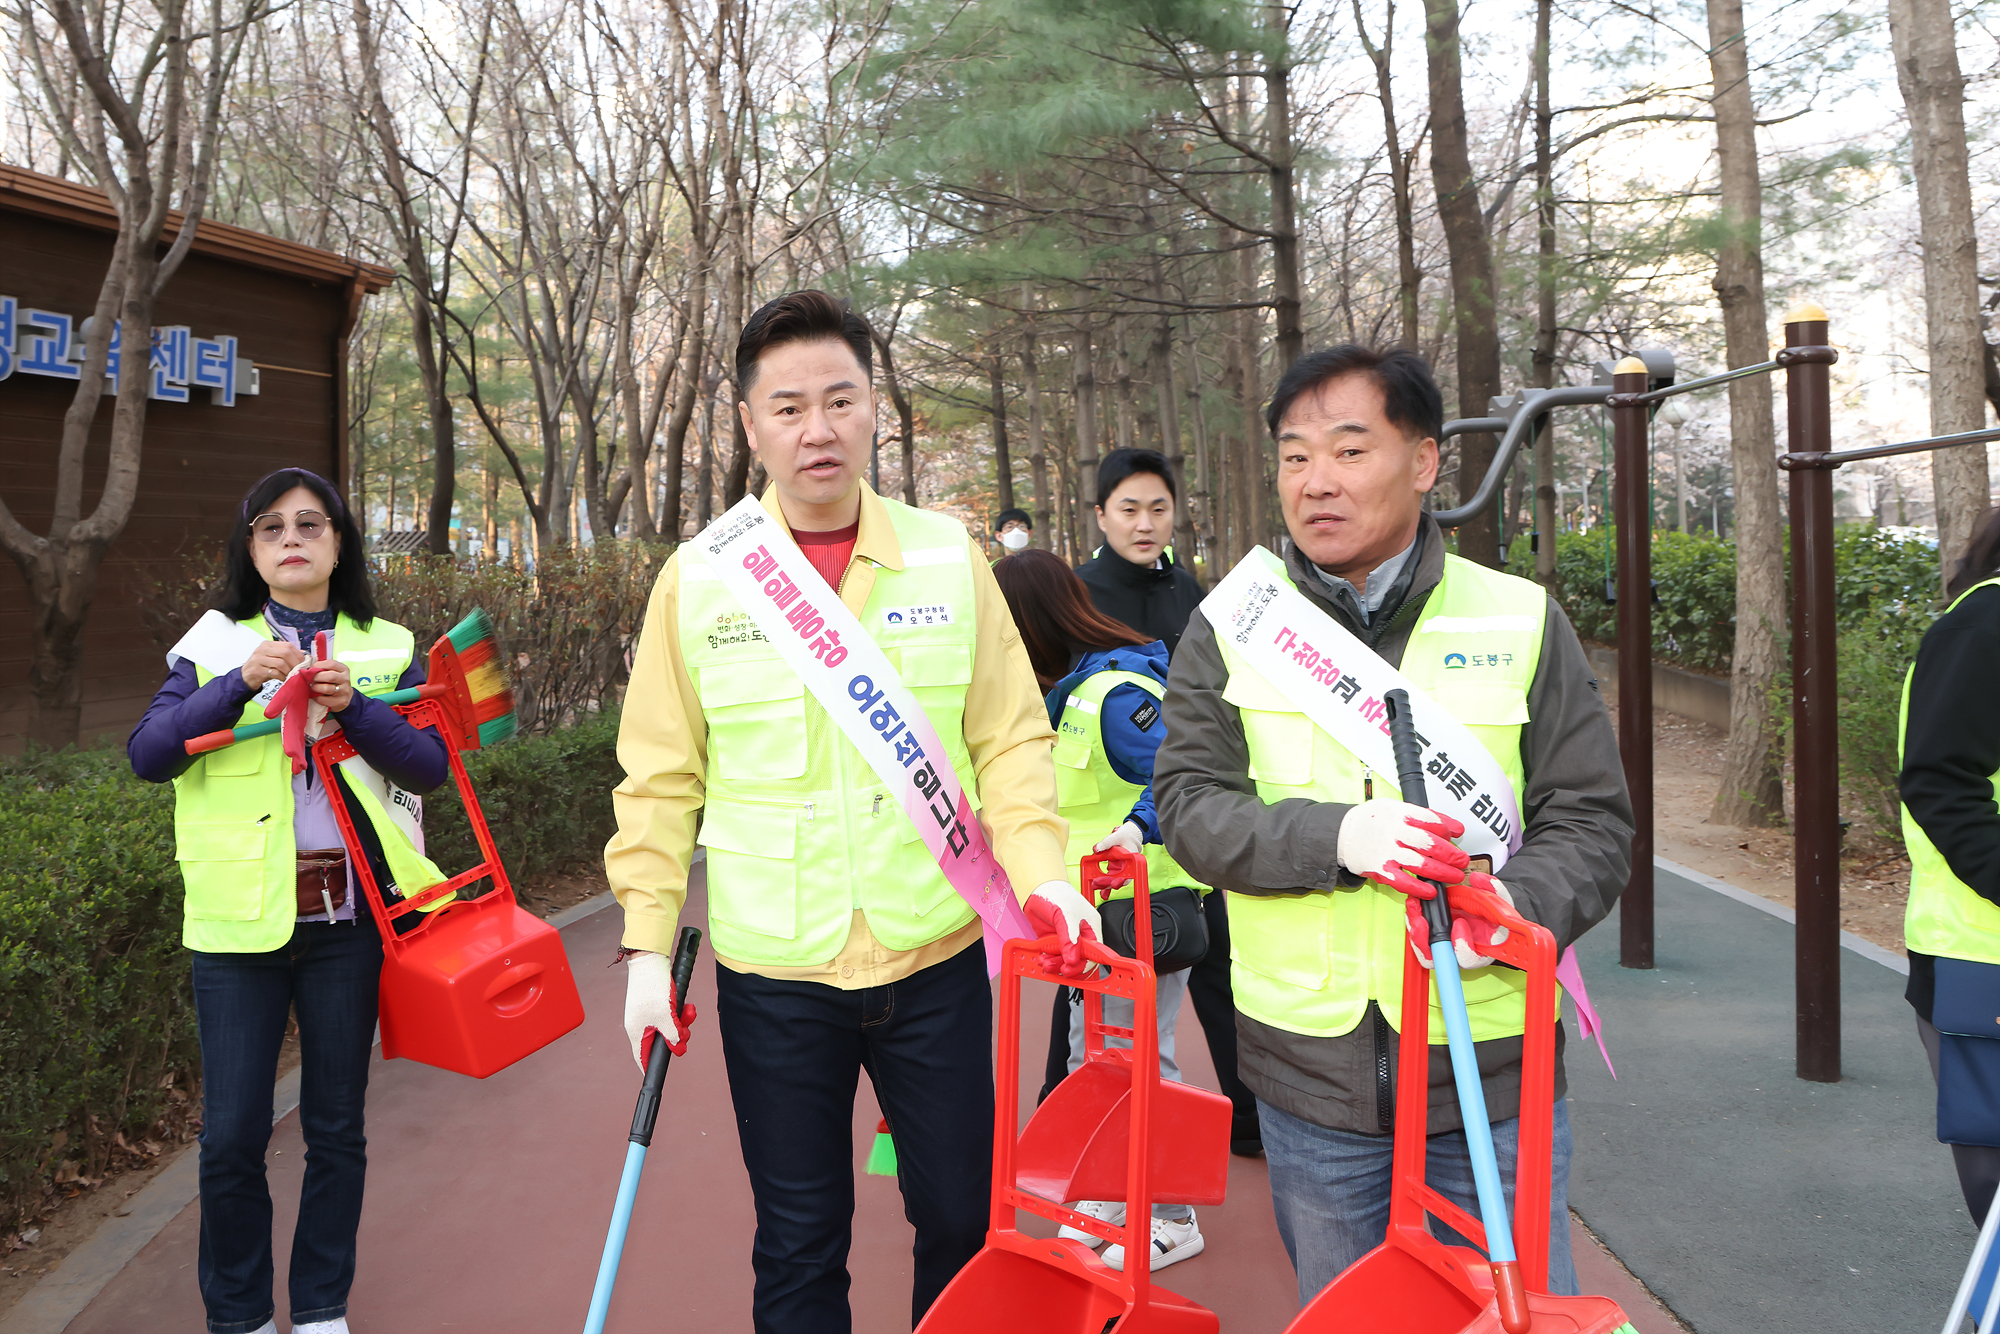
(328, 974)
(1330, 1189)
(795, 1052)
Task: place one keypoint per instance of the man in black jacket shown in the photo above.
(1133, 579)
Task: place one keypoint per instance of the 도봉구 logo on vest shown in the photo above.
(1454, 660)
(936, 614)
(735, 627)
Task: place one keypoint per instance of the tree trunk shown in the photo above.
(1409, 278)
(1200, 494)
(1750, 792)
(1285, 302)
(1934, 92)
(1472, 290)
(704, 482)
(1003, 462)
(1038, 449)
(1162, 361)
(1546, 330)
(906, 418)
(1087, 448)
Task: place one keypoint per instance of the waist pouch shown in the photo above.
(322, 880)
(1180, 929)
(1966, 1014)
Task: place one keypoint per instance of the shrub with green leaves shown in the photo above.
(95, 1007)
(547, 799)
(1694, 614)
(1875, 652)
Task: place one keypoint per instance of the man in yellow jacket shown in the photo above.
(841, 944)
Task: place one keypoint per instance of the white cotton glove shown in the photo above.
(1127, 836)
(1470, 934)
(1057, 909)
(650, 1007)
(1394, 842)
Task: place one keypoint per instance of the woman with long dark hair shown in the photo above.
(271, 911)
(1104, 682)
(1951, 828)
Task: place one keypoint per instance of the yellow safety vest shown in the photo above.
(800, 831)
(1944, 916)
(1310, 962)
(233, 815)
(1090, 794)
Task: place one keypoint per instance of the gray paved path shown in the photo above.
(1746, 1198)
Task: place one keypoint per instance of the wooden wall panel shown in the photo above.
(198, 459)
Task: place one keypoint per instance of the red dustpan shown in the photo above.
(473, 986)
(1113, 1130)
(1413, 1283)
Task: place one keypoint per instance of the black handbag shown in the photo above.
(1180, 928)
(1966, 1013)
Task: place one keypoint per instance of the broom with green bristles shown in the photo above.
(466, 676)
(882, 1155)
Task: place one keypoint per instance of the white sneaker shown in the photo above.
(1108, 1211)
(337, 1325)
(1174, 1240)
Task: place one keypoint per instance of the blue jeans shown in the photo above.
(795, 1052)
(328, 973)
(1330, 1189)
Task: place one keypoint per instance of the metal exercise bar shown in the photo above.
(1710, 381)
(1533, 403)
(1815, 700)
(1630, 486)
(1834, 458)
(1472, 426)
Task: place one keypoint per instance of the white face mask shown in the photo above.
(1015, 539)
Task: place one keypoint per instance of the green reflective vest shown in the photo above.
(1944, 916)
(1310, 962)
(1090, 794)
(800, 831)
(233, 815)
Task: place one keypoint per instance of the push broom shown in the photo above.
(466, 675)
(641, 1139)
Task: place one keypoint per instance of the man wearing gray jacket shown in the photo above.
(1315, 849)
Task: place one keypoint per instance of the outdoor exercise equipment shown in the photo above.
(1415, 1283)
(475, 985)
(641, 1138)
(1113, 1130)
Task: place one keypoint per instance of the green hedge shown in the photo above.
(95, 1006)
(547, 799)
(1694, 618)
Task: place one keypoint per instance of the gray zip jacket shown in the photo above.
(1575, 855)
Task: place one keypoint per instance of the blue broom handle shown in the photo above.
(614, 1241)
(1451, 999)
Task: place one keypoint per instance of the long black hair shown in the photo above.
(1981, 559)
(244, 591)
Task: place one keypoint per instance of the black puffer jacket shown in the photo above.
(1155, 601)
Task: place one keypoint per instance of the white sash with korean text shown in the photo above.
(852, 679)
(1338, 683)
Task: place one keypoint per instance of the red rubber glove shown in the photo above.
(651, 1006)
(1393, 843)
(1058, 910)
(1471, 934)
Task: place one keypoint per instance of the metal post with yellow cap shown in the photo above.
(1631, 511)
(1815, 739)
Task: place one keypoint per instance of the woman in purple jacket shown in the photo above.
(262, 952)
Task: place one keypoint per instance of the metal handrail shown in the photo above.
(1834, 458)
(1534, 403)
(1472, 426)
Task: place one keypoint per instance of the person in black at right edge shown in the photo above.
(1133, 578)
(1950, 761)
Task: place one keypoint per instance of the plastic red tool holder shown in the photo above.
(1413, 1283)
(479, 983)
(1112, 1130)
